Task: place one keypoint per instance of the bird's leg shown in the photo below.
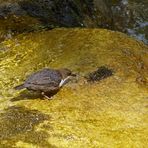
(46, 96)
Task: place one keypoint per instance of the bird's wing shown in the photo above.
(42, 88)
(45, 80)
(45, 77)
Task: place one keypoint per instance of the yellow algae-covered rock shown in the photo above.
(107, 113)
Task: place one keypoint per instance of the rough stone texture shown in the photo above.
(111, 112)
(67, 13)
(30, 15)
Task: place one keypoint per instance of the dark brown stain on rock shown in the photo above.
(101, 73)
(18, 124)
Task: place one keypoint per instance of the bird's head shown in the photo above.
(66, 75)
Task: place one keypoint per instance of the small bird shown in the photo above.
(46, 81)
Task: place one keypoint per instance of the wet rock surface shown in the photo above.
(130, 17)
(113, 109)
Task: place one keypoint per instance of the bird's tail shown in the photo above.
(19, 87)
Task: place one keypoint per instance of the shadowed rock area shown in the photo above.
(19, 124)
(33, 15)
(111, 112)
(20, 16)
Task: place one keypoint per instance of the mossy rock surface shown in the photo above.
(111, 112)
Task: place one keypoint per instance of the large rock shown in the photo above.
(111, 112)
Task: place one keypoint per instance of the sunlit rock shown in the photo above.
(110, 112)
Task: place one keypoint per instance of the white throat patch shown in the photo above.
(63, 81)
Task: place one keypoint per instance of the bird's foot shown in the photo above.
(49, 98)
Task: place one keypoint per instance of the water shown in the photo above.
(131, 17)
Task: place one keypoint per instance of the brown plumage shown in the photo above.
(46, 80)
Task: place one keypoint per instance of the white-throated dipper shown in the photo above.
(47, 81)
